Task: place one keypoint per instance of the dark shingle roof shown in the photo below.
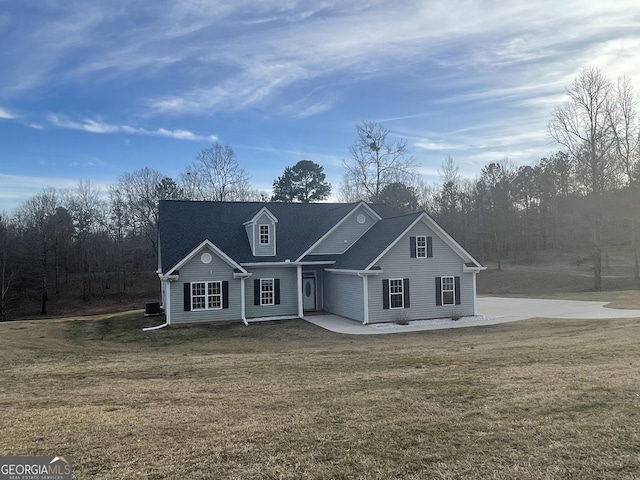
(183, 225)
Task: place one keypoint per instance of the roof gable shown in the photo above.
(229, 261)
(361, 213)
(388, 232)
(375, 242)
(263, 211)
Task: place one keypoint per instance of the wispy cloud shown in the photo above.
(240, 54)
(14, 189)
(97, 126)
(6, 114)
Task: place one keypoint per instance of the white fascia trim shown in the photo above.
(271, 264)
(323, 262)
(360, 273)
(168, 278)
(371, 211)
(207, 243)
(242, 275)
(264, 210)
(466, 269)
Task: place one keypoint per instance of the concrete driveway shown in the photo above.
(491, 311)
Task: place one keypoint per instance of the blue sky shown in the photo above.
(90, 90)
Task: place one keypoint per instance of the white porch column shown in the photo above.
(365, 294)
(300, 300)
(167, 300)
(474, 293)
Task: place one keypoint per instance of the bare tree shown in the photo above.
(88, 211)
(627, 135)
(584, 127)
(626, 130)
(216, 175)
(6, 275)
(376, 161)
(33, 219)
(139, 192)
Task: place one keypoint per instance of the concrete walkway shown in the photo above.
(492, 311)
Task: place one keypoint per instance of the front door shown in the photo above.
(309, 293)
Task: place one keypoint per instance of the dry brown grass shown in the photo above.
(529, 400)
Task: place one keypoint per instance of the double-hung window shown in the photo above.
(264, 234)
(421, 247)
(396, 293)
(206, 295)
(266, 291)
(448, 291)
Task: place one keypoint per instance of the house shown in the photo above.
(244, 260)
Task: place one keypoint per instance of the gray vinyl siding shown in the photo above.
(264, 250)
(288, 292)
(343, 295)
(196, 271)
(421, 272)
(346, 234)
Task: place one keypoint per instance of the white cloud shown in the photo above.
(233, 55)
(97, 126)
(15, 189)
(6, 114)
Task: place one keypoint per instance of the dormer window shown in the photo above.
(261, 233)
(264, 235)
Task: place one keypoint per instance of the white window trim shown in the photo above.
(206, 296)
(452, 290)
(421, 250)
(268, 234)
(401, 293)
(273, 291)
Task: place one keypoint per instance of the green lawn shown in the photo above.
(287, 400)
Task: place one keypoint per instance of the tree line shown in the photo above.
(584, 197)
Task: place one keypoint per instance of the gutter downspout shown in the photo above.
(243, 296)
(166, 288)
(243, 301)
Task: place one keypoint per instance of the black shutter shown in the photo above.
(405, 289)
(225, 294)
(187, 297)
(412, 247)
(429, 247)
(457, 290)
(438, 291)
(276, 291)
(385, 294)
(256, 291)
